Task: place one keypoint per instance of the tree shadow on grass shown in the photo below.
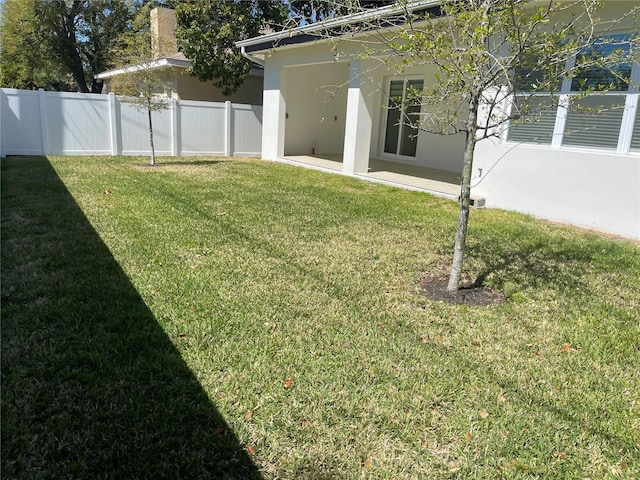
(533, 259)
(91, 385)
(536, 262)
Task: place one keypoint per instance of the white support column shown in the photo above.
(175, 128)
(43, 122)
(274, 112)
(228, 129)
(357, 134)
(114, 123)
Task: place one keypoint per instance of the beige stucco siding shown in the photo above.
(190, 88)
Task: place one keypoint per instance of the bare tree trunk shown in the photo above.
(96, 86)
(153, 150)
(465, 199)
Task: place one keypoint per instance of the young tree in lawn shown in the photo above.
(486, 51)
(144, 84)
(208, 29)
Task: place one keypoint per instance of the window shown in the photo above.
(615, 76)
(597, 124)
(401, 137)
(593, 121)
(539, 129)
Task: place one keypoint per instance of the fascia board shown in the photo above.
(160, 63)
(309, 32)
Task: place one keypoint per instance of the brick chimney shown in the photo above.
(163, 27)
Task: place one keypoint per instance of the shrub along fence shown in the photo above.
(54, 123)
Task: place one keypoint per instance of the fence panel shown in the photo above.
(77, 124)
(134, 125)
(21, 123)
(202, 128)
(54, 123)
(247, 129)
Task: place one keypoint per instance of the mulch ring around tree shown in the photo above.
(435, 288)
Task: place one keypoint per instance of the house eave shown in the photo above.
(160, 63)
(317, 31)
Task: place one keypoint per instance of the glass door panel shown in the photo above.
(403, 110)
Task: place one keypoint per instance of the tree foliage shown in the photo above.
(62, 38)
(82, 35)
(208, 29)
(26, 62)
(483, 52)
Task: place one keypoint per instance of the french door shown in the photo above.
(400, 137)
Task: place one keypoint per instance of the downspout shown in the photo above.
(251, 58)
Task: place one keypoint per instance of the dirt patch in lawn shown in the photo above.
(435, 288)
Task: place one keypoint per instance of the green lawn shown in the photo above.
(234, 318)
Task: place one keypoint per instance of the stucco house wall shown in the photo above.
(588, 188)
(316, 106)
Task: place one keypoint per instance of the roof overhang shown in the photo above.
(333, 27)
(256, 70)
(160, 63)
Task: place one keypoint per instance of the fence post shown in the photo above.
(43, 122)
(228, 130)
(114, 124)
(176, 143)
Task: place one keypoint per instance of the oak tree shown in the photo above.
(42, 39)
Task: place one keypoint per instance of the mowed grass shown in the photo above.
(234, 318)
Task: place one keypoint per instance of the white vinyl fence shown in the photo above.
(54, 123)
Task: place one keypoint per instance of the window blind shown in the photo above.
(539, 128)
(614, 74)
(598, 125)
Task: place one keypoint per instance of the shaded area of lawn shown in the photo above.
(91, 385)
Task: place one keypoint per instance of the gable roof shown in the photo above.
(391, 14)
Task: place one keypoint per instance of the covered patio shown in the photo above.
(414, 177)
